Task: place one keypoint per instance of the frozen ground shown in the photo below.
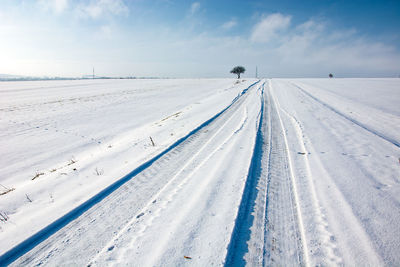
(286, 172)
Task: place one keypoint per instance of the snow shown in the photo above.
(99, 124)
(283, 171)
(349, 175)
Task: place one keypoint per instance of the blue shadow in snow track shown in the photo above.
(238, 247)
(25, 246)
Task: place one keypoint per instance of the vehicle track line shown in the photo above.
(266, 203)
(332, 255)
(388, 139)
(320, 221)
(294, 186)
(235, 249)
(167, 185)
(266, 229)
(163, 243)
(282, 241)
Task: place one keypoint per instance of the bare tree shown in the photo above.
(238, 70)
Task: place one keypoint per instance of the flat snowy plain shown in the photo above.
(200, 172)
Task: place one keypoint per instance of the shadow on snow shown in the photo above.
(238, 246)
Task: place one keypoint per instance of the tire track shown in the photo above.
(269, 228)
(320, 240)
(166, 194)
(361, 125)
(333, 230)
(238, 248)
(284, 242)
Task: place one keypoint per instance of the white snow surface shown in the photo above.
(98, 124)
(349, 130)
(292, 172)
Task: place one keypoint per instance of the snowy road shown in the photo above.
(293, 172)
(269, 207)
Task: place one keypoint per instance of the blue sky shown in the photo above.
(176, 38)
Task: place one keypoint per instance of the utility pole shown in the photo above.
(256, 72)
(93, 72)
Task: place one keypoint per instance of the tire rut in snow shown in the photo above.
(354, 121)
(282, 242)
(266, 230)
(238, 247)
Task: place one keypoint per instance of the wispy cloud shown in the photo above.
(311, 48)
(194, 8)
(266, 29)
(56, 6)
(100, 8)
(229, 24)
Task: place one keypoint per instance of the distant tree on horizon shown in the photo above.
(238, 70)
(330, 75)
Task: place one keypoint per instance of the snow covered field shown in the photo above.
(84, 135)
(283, 171)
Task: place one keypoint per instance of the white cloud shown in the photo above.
(268, 27)
(194, 7)
(311, 26)
(57, 6)
(229, 24)
(311, 49)
(100, 8)
(104, 32)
